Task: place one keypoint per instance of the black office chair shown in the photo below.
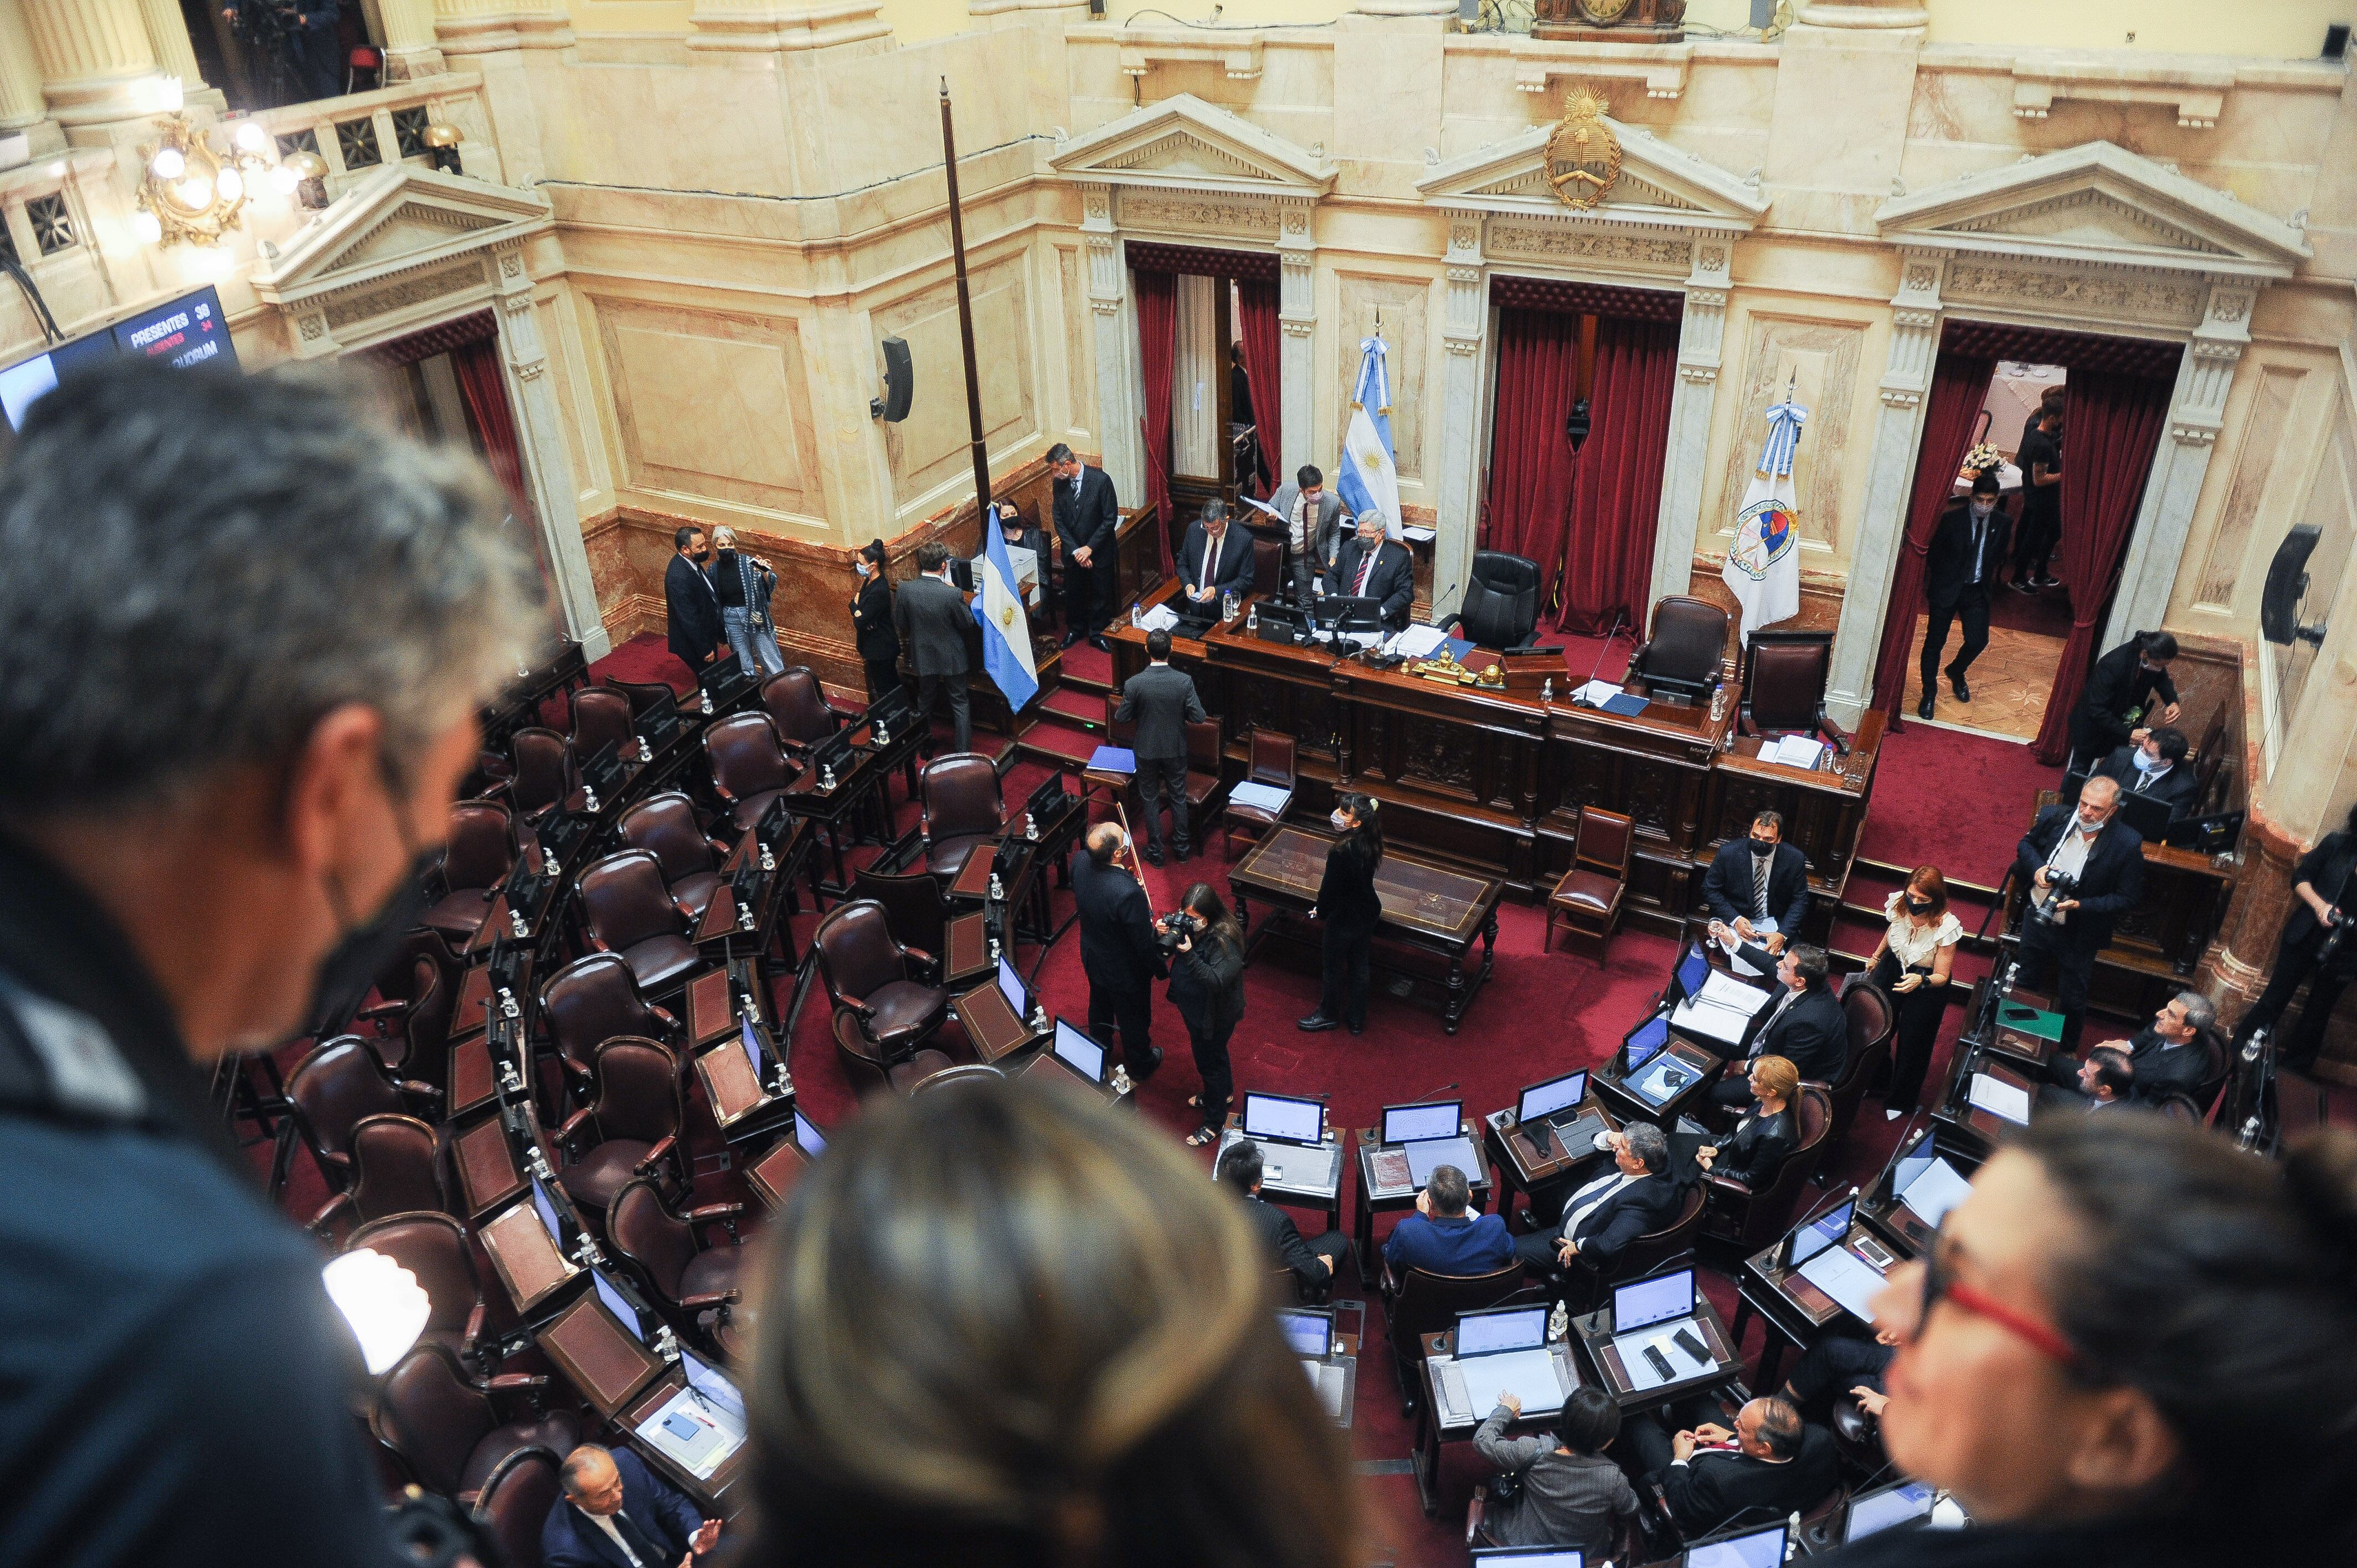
(1501, 607)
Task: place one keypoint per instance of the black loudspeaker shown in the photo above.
(899, 384)
(2279, 604)
(2335, 40)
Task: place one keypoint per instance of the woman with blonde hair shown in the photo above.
(1767, 1134)
(744, 582)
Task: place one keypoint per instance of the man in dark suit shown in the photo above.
(2171, 1056)
(2117, 706)
(690, 603)
(616, 1513)
(933, 621)
(1373, 567)
(2061, 932)
(2041, 502)
(2322, 882)
(1773, 1465)
(1313, 1262)
(1601, 1217)
(1161, 701)
(1967, 547)
(1088, 516)
(1118, 952)
(1314, 527)
(2155, 768)
(1441, 1237)
(1215, 559)
(1766, 880)
(1805, 1022)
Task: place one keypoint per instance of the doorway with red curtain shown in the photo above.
(1586, 517)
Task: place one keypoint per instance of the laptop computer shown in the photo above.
(1888, 1508)
(1644, 1303)
(1283, 1118)
(1551, 1108)
(807, 1136)
(618, 1304)
(1690, 972)
(1081, 1053)
(1430, 1136)
(1502, 1347)
(1309, 1333)
(1643, 1043)
(1531, 1556)
(1745, 1549)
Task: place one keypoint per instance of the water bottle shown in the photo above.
(998, 890)
(1718, 702)
(1251, 618)
(1228, 605)
(704, 700)
(1031, 828)
(1546, 691)
(1135, 616)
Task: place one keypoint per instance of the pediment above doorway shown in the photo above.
(1660, 186)
(1184, 143)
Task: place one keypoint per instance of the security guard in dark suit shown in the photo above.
(933, 621)
(1118, 950)
(1161, 701)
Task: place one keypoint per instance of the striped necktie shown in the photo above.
(1760, 864)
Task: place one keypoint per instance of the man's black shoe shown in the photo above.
(1071, 638)
(1923, 708)
(1358, 1029)
(1318, 1021)
(1154, 855)
(1186, 853)
(1098, 642)
(1153, 1062)
(1956, 684)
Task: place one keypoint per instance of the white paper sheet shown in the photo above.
(1263, 506)
(1529, 1375)
(1760, 928)
(1934, 1191)
(1716, 1022)
(1266, 797)
(1794, 751)
(717, 1433)
(1417, 641)
(1847, 1277)
(1421, 535)
(1722, 990)
(1999, 1098)
(1595, 693)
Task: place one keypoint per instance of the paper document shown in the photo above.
(1161, 618)
(1265, 797)
(1421, 535)
(1714, 1023)
(1595, 693)
(1722, 990)
(1263, 506)
(1794, 751)
(1643, 1373)
(1847, 1277)
(1529, 1375)
(1665, 1075)
(1999, 1098)
(1936, 1189)
(1422, 1157)
(696, 1433)
(1418, 641)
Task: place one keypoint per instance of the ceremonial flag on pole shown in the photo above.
(1763, 569)
(1369, 475)
(1006, 628)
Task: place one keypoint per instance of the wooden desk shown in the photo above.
(774, 1175)
(741, 1102)
(1373, 1200)
(1608, 1084)
(1595, 1334)
(1520, 1170)
(1795, 1311)
(1970, 1126)
(1427, 905)
(717, 1496)
(990, 1024)
(973, 880)
(1433, 1429)
(525, 1256)
(486, 1164)
(1288, 1168)
(711, 1008)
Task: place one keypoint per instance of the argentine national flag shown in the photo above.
(1006, 630)
(1370, 477)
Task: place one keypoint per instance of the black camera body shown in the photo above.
(2060, 885)
(1175, 928)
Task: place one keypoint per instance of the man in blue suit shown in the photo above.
(617, 1513)
(1440, 1238)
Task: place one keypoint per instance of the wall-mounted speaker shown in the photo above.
(2280, 605)
(2335, 40)
(899, 384)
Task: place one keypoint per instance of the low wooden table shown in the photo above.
(1428, 906)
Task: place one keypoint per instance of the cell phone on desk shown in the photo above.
(682, 1427)
(1660, 1363)
(1691, 1343)
(2015, 1012)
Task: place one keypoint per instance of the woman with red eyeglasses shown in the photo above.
(2132, 1345)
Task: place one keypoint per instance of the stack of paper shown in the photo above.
(1421, 535)
(1161, 618)
(1418, 641)
(1265, 797)
(1793, 751)
(1999, 1098)
(1847, 1278)
(1721, 1009)
(1595, 693)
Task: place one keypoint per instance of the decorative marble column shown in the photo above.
(1678, 524)
(1465, 334)
(409, 45)
(1117, 330)
(540, 430)
(1297, 318)
(1915, 313)
(167, 37)
(2196, 412)
(20, 77)
(95, 62)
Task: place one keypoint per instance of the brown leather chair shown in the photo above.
(447, 1429)
(1587, 899)
(593, 1000)
(432, 1248)
(1269, 566)
(963, 809)
(480, 852)
(601, 717)
(1784, 676)
(426, 1028)
(1871, 1019)
(913, 913)
(867, 976)
(748, 766)
(865, 1071)
(693, 1286)
(637, 1114)
(642, 694)
(955, 1073)
(1751, 1219)
(626, 909)
(1422, 1303)
(797, 705)
(515, 1502)
(543, 772)
(340, 1083)
(396, 1163)
(1683, 656)
(1270, 760)
(664, 826)
(1206, 789)
(400, 983)
(1649, 1251)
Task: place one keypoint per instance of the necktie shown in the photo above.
(1366, 570)
(636, 1540)
(1210, 564)
(1980, 542)
(1760, 864)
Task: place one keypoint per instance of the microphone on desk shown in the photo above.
(1430, 1093)
(1579, 698)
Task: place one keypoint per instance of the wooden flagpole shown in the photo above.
(965, 318)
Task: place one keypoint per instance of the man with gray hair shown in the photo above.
(238, 691)
(617, 1513)
(2170, 1056)
(1373, 567)
(1599, 1220)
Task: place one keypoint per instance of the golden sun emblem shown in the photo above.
(1006, 616)
(1583, 156)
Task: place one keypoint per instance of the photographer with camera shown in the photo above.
(1206, 950)
(2085, 870)
(300, 42)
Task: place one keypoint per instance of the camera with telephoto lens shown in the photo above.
(1175, 928)
(2059, 885)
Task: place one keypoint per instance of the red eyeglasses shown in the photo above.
(2043, 1337)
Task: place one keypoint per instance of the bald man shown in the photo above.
(617, 1513)
(2100, 860)
(1118, 952)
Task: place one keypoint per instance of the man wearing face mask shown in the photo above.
(2062, 930)
(1759, 889)
(1967, 547)
(2119, 706)
(2154, 767)
(690, 603)
(217, 798)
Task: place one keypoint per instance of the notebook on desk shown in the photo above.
(1502, 1349)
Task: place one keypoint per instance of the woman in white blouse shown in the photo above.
(1913, 962)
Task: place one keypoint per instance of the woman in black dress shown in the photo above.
(1207, 987)
(1348, 906)
(871, 619)
(1764, 1137)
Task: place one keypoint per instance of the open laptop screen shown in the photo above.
(1010, 985)
(1510, 1328)
(1556, 1094)
(1531, 1556)
(1646, 1040)
(1893, 1505)
(1080, 1053)
(1821, 1233)
(808, 1136)
(1417, 1124)
(1282, 1117)
(1306, 1333)
(1656, 1300)
(1694, 968)
(1753, 1549)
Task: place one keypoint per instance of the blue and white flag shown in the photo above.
(1370, 475)
(1763, 567)
(1006, 628)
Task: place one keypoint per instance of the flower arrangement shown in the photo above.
(1982, 459)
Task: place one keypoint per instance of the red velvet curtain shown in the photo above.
(1530, 459)
(1157, 348)
(1257, 330)
(1617, 478)
(2114, 424)
(1960, 384)
(483, 389)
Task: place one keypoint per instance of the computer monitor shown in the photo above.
(1657, 1300)
(1420, 1124)
(1531, 1556)
(1693, 968)
(712, 1383)
(547, 1208)
(1285, 1119)
(1872, 1512)
(1823, 1231)
(1307, 1331)
(1010, 985)
(1644, 1042)
(1281, 622)
(1346, 612)
(1543, 1100)
(1079, 1052)
(752, 1042)
(807, 1135)
(617, 1303)
(1750, 1549)
(2148, 816)
(1501, 1329)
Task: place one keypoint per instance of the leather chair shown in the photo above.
(693, 1286)
(447, 1429)
(1872, 1018)
(1587, 898)
(867, 976)
(2178, 1106)
(1270, 760)
(913, 913)
(340, 1084)
(964, 808)
(1500, 606)
(865, 1071)
(475, 861)
(1648, 1253)
(1206, 789)
(642, 694)
(1269, 566)
(593, 1000)
(399, 985)
(432, 1248)
(1683, 656)
(396, 1164)
(601, 717)
(544, 773)
(1751, 1219)
(957, 1073)
(626, 909)
(798, 706)
(637, 1113)
(749, 768)
(1422, 1303)
(2213, 1076)
(664, 826)
(426, 1028)
(515, 1501)
(1857, 1436)
(1784, 676)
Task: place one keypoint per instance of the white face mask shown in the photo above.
(2087, 827)
(1342, 823)
(2146, 761)
(1981, 511)
(860, 566)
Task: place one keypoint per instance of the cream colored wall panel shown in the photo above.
(2262, 458)
(1403, 307)
(1080, 350)
(932, 447)
(1195, 373)
(2333, 509)
(1819, 360)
